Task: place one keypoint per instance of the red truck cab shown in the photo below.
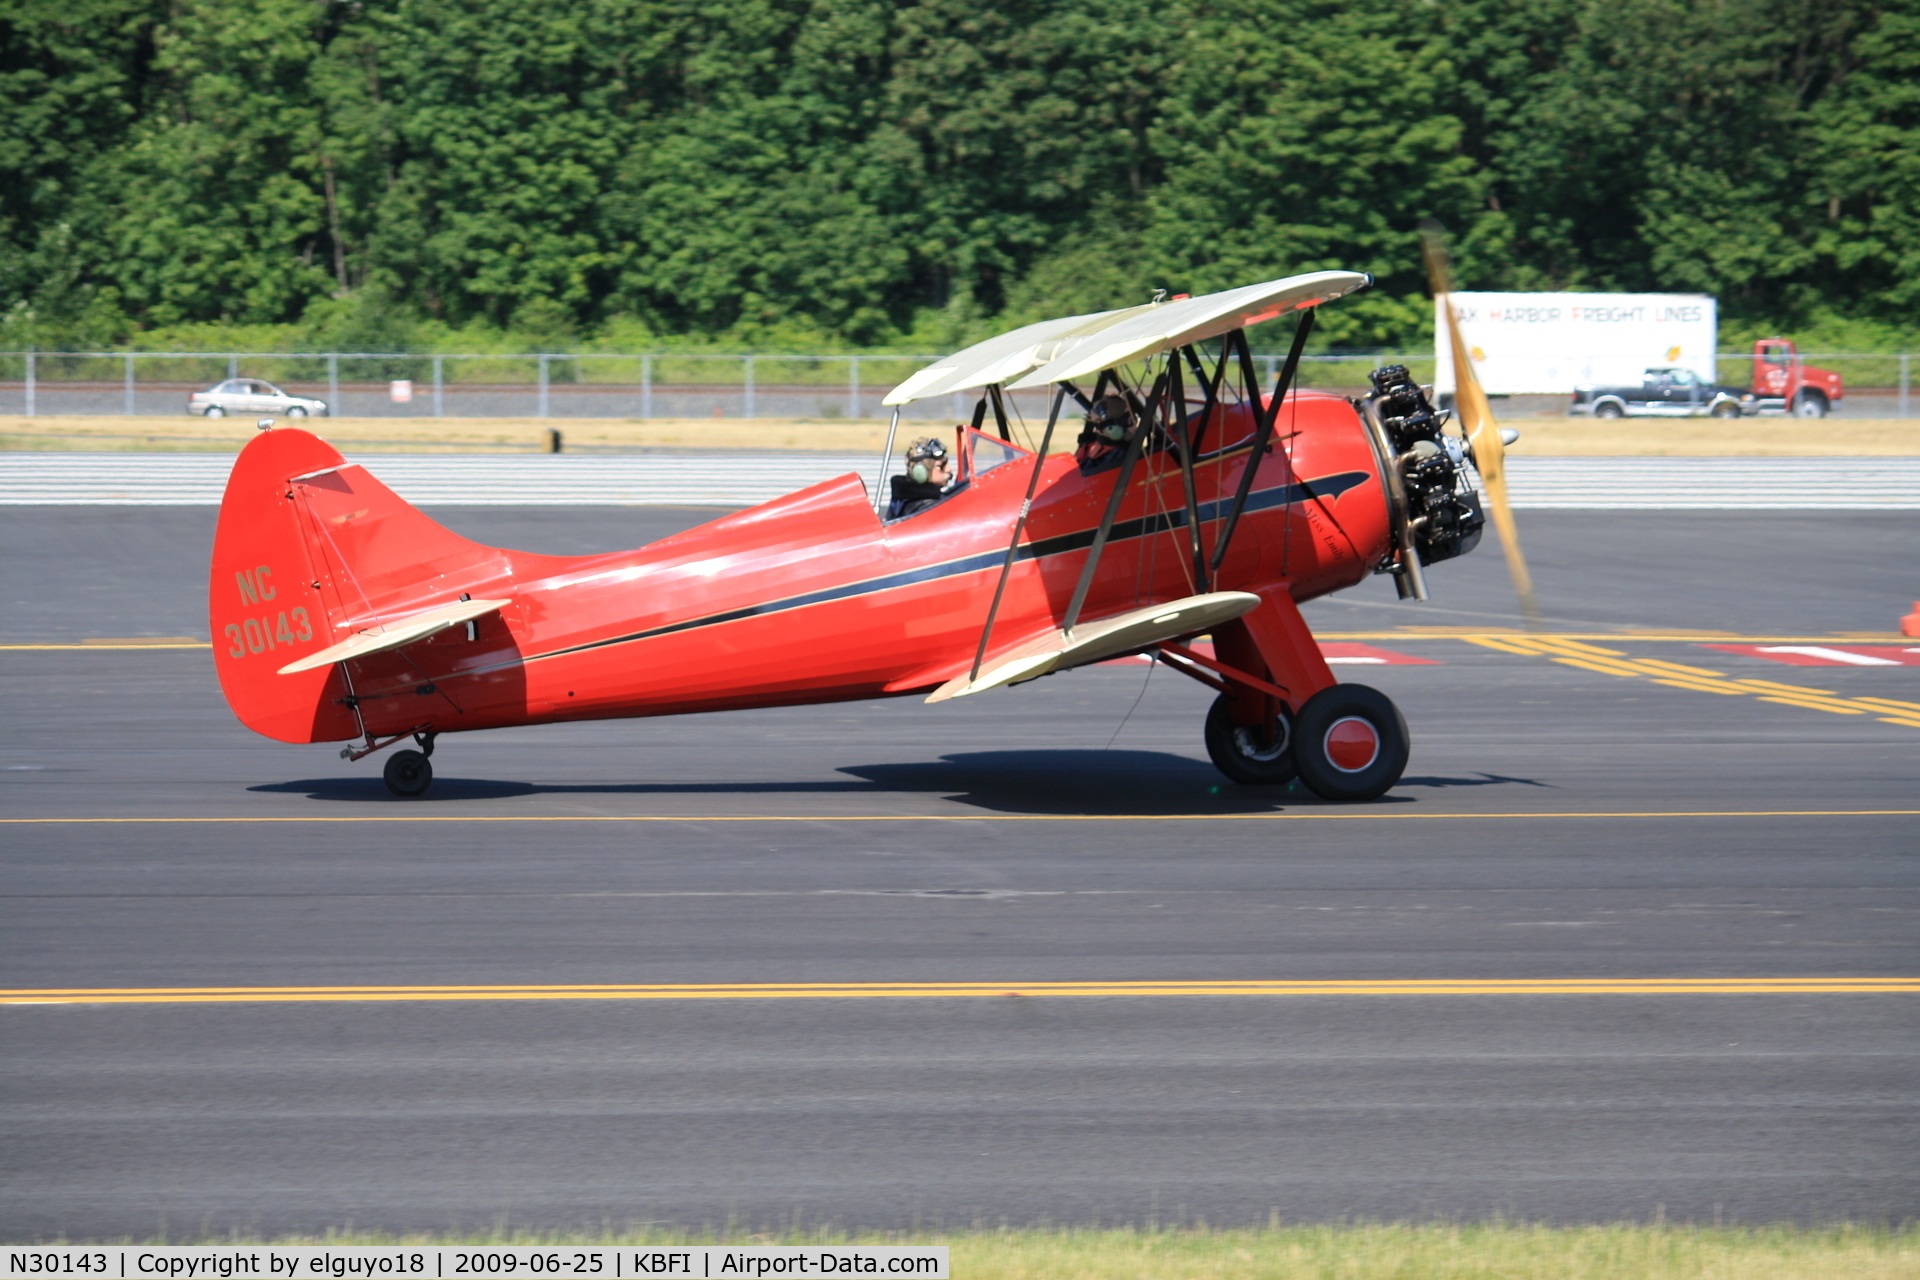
(1782, 383)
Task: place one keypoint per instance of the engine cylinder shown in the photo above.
(1441, 516)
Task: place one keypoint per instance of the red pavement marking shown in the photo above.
(1828, 655)
(1337, 653)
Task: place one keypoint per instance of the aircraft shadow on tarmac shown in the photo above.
(1477, 780)
(1074, 782)
(1081, 782)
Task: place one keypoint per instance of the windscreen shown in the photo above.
(989, 453)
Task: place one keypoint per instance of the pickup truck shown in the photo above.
(1662, 393)
(1782, 383)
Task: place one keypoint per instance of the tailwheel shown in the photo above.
(1254, 755)
(1350, 743)
(408, 773)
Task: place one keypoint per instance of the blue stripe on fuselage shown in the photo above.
(1145, 526)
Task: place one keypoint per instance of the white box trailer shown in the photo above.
(1550, 343)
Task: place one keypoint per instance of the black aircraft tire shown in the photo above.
(1350, 743)
(408, 773)
(1237, 752)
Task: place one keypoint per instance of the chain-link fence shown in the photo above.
(391, 385)
(658, 386)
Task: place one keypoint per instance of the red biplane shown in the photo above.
(1214, 507)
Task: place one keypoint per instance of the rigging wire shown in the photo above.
(1020, 420)
(1153, 660)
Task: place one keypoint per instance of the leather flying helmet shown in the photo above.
(921, 455)
(1110, 417)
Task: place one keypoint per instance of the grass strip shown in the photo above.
(1358, 1251)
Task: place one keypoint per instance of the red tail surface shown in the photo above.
(310, 550)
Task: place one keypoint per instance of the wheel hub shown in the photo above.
(1262, 744)
(1352, 744)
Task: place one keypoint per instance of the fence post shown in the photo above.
(853, 386)
(543, 387)
(748, 397)
(439, 384)
(333, 384)
(128, 401)
(233, 365)
(646, 387)
(30, 373)
(1904, 358)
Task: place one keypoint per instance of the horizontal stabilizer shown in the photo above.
(394, 634)
(1101, 639)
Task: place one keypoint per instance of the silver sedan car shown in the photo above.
(251, 395)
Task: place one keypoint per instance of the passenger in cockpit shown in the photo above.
(929, 474)
(1103, 441)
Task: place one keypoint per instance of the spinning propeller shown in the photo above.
(1476, 419)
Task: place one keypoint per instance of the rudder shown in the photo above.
(310, 549)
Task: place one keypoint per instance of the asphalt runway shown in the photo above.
(1557, 822)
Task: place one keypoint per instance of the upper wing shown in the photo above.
(1167, 325)
(1007, 356)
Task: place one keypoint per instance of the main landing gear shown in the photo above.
(1348, 743)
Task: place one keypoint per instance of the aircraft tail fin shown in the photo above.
(311, 551)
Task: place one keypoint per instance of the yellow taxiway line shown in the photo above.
(967, 990)
(1597, 815)
(1572, 652)
(1617, 637)
(91, 647)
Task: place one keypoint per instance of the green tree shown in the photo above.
(859, 170)
(1865, 136)
(1305, 135)
(76, 79)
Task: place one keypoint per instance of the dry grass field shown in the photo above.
(1406, 1252)
(1384, 1251)
(1640, 437)
(450, 435)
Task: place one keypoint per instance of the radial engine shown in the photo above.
(1428, 474)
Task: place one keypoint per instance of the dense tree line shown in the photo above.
(870, 172)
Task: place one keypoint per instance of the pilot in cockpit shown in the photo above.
(1103, 442)
(928, 476)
